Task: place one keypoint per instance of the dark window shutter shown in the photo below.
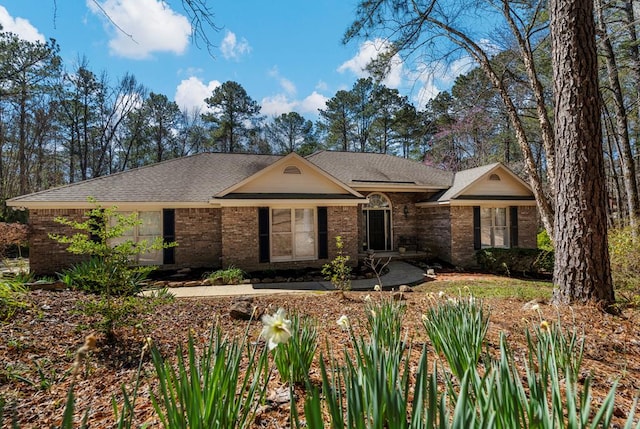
(513, 226)
(263, 233)
(477, 243)
(323, 234)
(169, 235)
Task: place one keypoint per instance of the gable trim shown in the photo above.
(498, 166)
(278, 166)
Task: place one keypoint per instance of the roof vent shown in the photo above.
(494, 177)
(292, 169)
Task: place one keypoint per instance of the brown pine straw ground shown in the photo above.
(37, 348)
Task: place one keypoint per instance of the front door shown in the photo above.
(378, 229)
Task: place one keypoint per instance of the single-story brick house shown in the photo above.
(261, 212)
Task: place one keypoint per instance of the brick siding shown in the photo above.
(46, 256)
(434, 232)
(199, 237)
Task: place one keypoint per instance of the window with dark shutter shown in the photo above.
(323, 234)
(168, 235)
(263, 234)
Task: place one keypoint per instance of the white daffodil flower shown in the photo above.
(343, 322)
(277, 329)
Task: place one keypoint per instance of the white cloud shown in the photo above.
(280, 103)
(370, 50)
(288, 86)
(150, 26)
(313, 102)
(190, 93)
(232, 48)
(19, 26)
(322, 86)
(277, 105)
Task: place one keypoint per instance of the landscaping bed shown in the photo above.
(39, 344)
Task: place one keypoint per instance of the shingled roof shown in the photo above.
(193, 178)
(197, 178)
(356, 168)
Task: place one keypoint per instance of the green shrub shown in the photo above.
(229, 276)
(12, 296)
(515, 261)
(338, 271)
(109, 269)
(624, 252)
(101, 276)
(114, 312)
(544, 242)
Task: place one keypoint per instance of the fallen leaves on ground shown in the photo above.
(38, 346)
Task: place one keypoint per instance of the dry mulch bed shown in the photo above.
(37, 348)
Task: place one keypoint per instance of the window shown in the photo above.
(292, 169)
(149, 229)
(293, 234)
(494, 227)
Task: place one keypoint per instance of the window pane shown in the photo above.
(129, 232)
(151, 224)
(304, 220)
(305, 244)
(485, 234)
(281, 245)
(501, 216)
(500, 237)
(281, 220)
(154, 257)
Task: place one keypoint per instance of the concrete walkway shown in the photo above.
(400, 273)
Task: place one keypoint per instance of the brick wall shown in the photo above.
(199, 237)
(240, 237)
(528, 227)
(342, 221)
(46, 256)
(434, 231)
(462, 251)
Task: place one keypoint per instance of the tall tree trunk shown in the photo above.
(545, 207)
(22, 142)
(582, 271)
(622, 127)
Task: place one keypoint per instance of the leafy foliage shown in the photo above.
(516, 261)
(109, 269)
(228, 276)
(338, 271)
(12, 298)
(624, 251)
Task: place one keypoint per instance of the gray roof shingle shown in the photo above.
(353, 168)
(195, 178)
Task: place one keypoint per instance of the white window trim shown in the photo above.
(293, 258)
(493, 227)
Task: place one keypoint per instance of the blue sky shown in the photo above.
(287, 54)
